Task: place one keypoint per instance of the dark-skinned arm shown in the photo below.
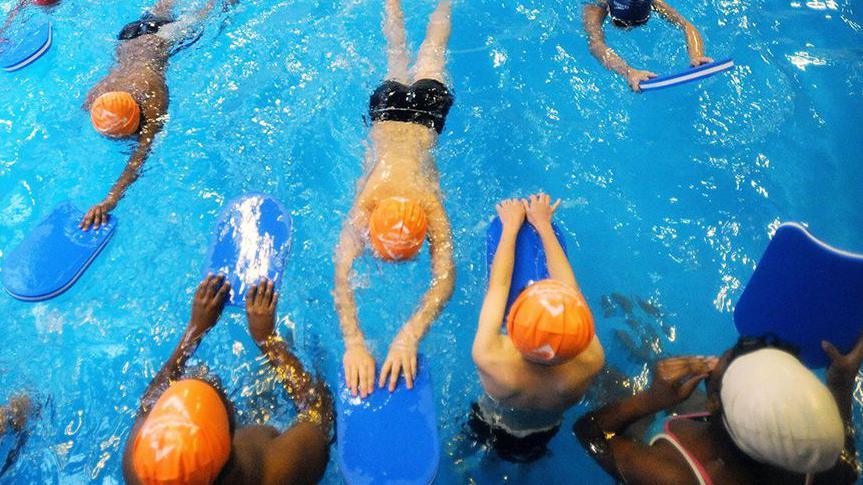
(98, 214)
(309, 394)
(207, 306)
(631, 461)
(300, 454)
(841, 379)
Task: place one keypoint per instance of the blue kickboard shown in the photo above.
(389, 437)
(251, 241)
(25, 43)
(54, 255)
(530, 263)
(689, 75)
(804, 291)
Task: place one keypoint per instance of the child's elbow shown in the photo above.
(477, 356)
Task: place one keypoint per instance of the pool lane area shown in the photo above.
(669, 198)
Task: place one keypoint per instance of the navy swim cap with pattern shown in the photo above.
(629, 13)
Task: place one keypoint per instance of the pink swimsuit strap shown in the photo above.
(700, 470)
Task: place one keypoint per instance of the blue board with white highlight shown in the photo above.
(804, 291)
(689, 75)
(24, 43)
(530, 262)
(388, 437)
(251, 241)
(54, 255)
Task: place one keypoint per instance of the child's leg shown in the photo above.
(431, 61)
(163, 9)
(397, 49)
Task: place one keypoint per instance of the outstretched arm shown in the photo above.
(358, 363)
(629, 460)
(540, 211)
(299, 455)
(207, 306)
(350, 247)
(841, 380)
(593, 17)
(309, 394)
(98, 214)
(402, 355)
(694, 42)
(488, 338)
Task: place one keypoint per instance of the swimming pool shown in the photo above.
(670, 196)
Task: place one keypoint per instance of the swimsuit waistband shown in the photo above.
(515, 421)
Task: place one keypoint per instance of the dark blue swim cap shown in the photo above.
(629, 13)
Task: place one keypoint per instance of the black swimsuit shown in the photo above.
(147, 24)
(518, 449)
(425, 102)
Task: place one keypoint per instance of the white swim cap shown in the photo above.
(779, 413)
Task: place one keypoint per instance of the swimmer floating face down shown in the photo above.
(632, 13)
(132, 99)
(398, 204)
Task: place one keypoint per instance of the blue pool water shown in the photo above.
(670, 197)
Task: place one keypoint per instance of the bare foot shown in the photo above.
(261, 310)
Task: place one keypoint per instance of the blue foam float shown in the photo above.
(389, 437)
(689, 75)
(251, 241)
(530, 262)
(54, 255)
(804, 291)
(25, 43)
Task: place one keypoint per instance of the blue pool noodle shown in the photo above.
(804, 291)
(689, 75)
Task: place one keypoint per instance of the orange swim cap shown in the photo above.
(550, 322)
(115, 114)
(397, 228)
(186, 438)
